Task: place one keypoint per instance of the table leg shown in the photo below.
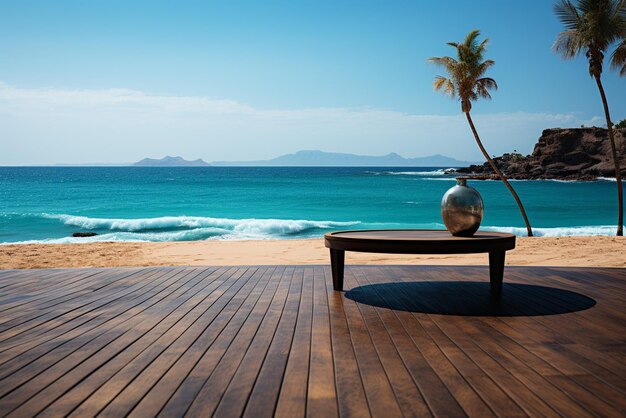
(337, 260)
(496, 271)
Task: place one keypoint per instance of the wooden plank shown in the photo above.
(568, 404)
(73, 287)
(440, 400)
(292, 399)
(527, 388)
(406, 391)
(180, 385)
(572, 363)
(534, 372)
(451, 378)
(144, 369)
(65, 343)
(207, 399)
(351, 396)
(516, 358)
(38, 286)
(378, 389)
(516, 379)
(184, 380)
(132, 326)
(15, 315)
(24, 323)
(483, 384)
(233, 401)
(599, 325)
(24, 281)
(198, 300)
(86, 317)
(321, 392)
(264, 394)
(149, 405)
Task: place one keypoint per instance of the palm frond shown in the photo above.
(487, 83)
(568, 43)
(445, 62)
(567, 14)
(483, 85)
(618, 59)
(470, 39)
(621, 10)
(483, 45)
(439, 82)
(482, 68)
(444, 85)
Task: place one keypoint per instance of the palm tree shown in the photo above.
(592, 26)
(466, 80)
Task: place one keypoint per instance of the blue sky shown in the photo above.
(86, 81)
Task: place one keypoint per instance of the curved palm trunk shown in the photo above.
(499, 173)
(618, 174)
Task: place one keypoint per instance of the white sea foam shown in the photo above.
(439, 172)
(524, 180)
(610, 179)
(437, 179)
(187, 228)
(557, 231)
(186, 235)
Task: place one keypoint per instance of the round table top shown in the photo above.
(419, 241)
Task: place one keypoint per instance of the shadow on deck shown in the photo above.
(470, 298)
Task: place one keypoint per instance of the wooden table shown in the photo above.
(419, 241)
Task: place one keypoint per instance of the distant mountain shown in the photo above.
(92, 164)
(303, 159)
(170, 162)
(333, 159)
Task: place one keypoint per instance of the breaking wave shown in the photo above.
(189, 228)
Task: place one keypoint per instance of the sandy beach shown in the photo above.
(597, 251)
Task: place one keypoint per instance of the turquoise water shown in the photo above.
(48, 204)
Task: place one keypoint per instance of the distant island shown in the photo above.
(300, 159)
(334, 159)
(170, 162)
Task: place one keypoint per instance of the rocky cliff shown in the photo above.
(567, 154)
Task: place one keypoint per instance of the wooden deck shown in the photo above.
(258, 341)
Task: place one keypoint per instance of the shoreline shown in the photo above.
(568, 251)
(116, 234)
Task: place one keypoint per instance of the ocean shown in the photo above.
(48, 204)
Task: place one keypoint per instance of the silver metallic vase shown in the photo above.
(462, 209)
